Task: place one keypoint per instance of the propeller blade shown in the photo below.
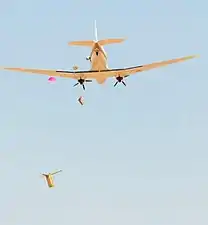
(83, 86)
(124, 83)
(116, 83)
(76, 84)
(88, 80)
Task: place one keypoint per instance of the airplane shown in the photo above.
(99, 70)
(49, 178)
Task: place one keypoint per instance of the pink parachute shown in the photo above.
(51, 79)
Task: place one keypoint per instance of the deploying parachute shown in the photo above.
(51, 79)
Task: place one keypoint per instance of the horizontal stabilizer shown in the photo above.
(111, 41)
(88, 43)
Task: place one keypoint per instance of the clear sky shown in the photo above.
(131, 155)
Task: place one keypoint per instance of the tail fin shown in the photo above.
(106, 41)
(96, 33)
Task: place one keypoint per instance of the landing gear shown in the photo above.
(88, 58)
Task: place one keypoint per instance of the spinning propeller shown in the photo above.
(120, 80)
(81, 82)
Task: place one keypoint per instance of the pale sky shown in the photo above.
(133, 155)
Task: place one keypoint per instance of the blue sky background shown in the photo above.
(131, 155)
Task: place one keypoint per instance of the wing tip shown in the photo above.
(193, 56)
(11, 68)
(6, 68)
(190, 57)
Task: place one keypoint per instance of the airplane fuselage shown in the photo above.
(98, 58)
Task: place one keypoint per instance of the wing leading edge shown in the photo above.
(103, 73)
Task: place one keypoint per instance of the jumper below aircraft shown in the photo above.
(99, 70)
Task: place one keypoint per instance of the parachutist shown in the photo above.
(81, 100)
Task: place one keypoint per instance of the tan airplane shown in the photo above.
(49, 178)
(99, 69)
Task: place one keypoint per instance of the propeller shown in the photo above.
(120, 80)
(81, 82)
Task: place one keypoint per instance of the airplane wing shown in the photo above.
(103, 73)
(53, 73)
(125, 71)
(132, 70)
